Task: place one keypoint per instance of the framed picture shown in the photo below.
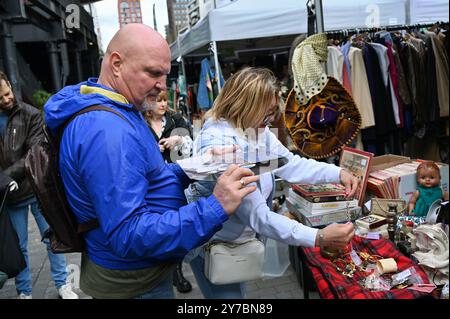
(358, 162)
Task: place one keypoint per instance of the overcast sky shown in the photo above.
(108, 17)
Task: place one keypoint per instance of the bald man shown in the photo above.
(113, 171)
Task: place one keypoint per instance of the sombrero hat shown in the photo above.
(320, 115)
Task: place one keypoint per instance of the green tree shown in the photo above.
(40, 97)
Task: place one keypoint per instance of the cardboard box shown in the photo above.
(407, 183)
(386, 161)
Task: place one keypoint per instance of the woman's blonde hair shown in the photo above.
(245, 98)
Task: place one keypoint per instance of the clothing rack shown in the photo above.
(346, 32)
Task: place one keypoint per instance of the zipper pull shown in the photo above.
(13, 137)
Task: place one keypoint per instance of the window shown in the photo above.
(124, 5)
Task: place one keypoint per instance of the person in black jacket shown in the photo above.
(174, 136)
(20, 128)
(171, 130)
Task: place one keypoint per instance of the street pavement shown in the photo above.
(283, 287)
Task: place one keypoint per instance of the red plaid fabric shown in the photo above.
(332, 284)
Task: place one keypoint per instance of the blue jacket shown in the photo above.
(205, 95)
(114, 171)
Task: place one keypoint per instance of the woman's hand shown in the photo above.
(170, 142)
(336, 235)
(350, 182)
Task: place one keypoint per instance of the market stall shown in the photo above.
(242, 20)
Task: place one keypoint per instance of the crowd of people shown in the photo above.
(124, 173)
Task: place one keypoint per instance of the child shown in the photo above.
(429, 189)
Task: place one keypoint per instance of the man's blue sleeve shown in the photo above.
(178, 171)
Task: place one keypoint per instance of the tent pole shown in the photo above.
(319, 23)
(216, 63)
(319, 16)
(180, 56)
(183, 69)
(180, 59)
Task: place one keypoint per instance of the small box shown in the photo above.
(371, 221)
(380, 206)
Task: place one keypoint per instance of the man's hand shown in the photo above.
(336, 235)
(170, 142)
(350, 182)
(232, 187)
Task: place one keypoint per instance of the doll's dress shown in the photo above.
(427, 195)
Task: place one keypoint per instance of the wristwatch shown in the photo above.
(321, 239)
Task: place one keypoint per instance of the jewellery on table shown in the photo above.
(348, 268)
(369, 258)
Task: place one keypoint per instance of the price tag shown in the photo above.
(372, 235)
(355, 258)
(402, 276)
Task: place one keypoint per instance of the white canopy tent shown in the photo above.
(250, 19)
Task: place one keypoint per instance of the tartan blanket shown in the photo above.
(332, 284)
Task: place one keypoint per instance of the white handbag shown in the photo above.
(227, 263)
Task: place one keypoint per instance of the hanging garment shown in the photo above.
(403, 89)
(440, 54)
(191, 97)
(420, 111)
(346, 73)
(430, 76)
(386, 40)
(409, 58)
(360, 87)
(335, 63)
(384, 115)
(309, 76)
(205, 96)
(383, 59)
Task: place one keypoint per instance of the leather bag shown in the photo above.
(227, 263)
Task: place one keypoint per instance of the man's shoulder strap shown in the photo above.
(86, 110)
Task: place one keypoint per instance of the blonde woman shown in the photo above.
(240, 116)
